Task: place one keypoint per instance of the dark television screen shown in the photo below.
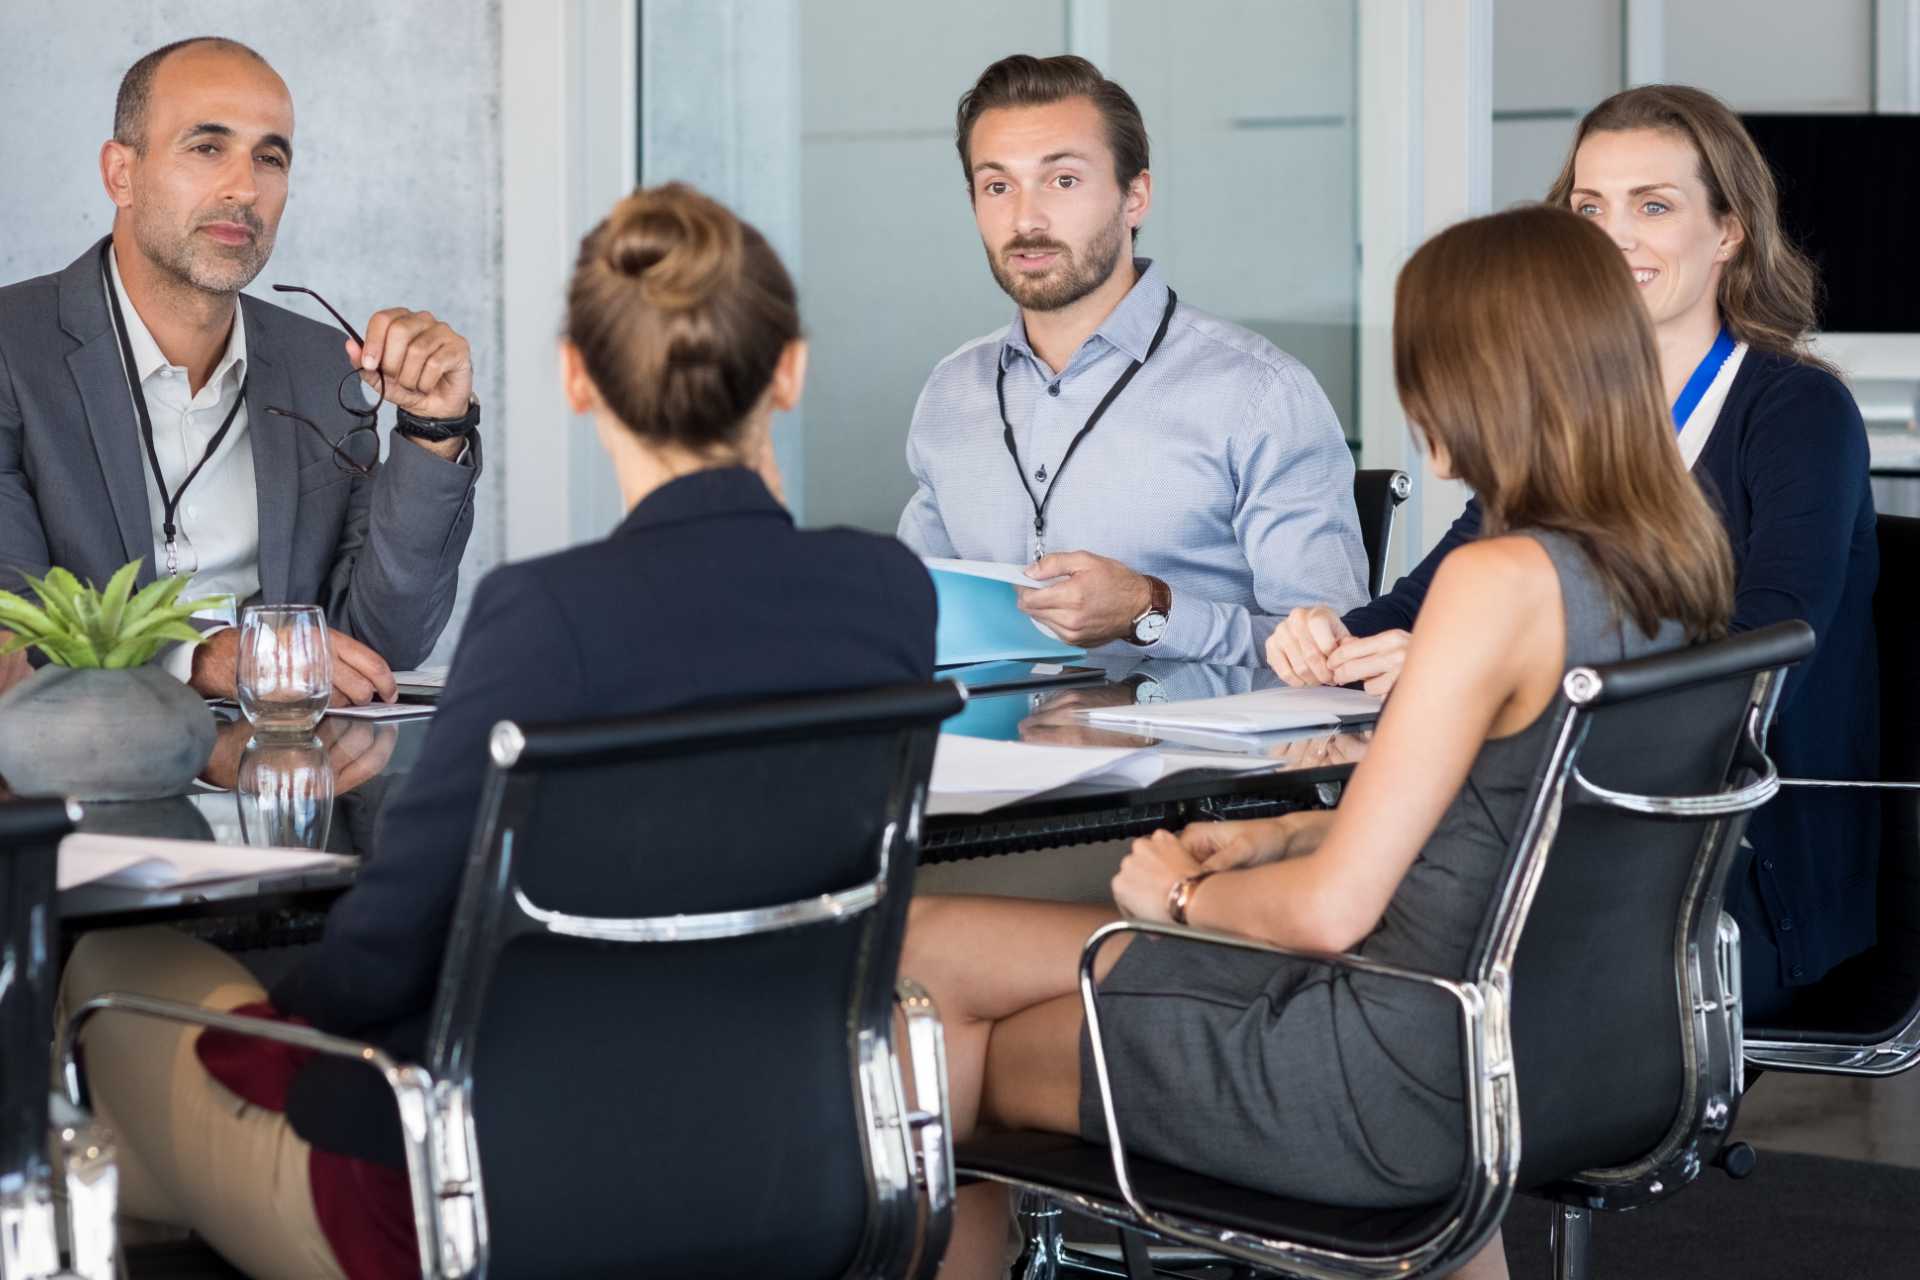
(1850, 196)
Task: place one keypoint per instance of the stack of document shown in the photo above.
(1262, 711)
(973, 775)
(141, 862)
(980, 618)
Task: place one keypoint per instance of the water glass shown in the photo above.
(286, 668)
(284, 791)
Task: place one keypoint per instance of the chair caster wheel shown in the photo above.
(1737, 1159)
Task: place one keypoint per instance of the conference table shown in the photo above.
(330, 798)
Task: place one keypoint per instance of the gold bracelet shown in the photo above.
(1180, 896)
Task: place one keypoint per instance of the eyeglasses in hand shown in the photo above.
(358, 451)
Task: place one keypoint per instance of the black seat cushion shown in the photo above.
(1056, 1160)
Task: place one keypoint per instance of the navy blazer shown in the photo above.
(706, 593)
(1787, 467)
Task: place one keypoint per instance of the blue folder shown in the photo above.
(980, 621)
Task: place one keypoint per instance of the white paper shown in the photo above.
(424, 677)
(1014, 573)
(141, 862)
(1263, 711)
(383, 711)
(974, 775)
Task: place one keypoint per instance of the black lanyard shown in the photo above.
(170, 502)
(1113, 393)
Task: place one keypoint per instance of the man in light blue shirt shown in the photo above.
(1185, 478)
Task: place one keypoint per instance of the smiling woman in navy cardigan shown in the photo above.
(1777, 442)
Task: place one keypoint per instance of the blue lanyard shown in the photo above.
(1703, 376)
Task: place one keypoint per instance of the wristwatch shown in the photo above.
(1180, 896)
(1151, 625)
(435, 430)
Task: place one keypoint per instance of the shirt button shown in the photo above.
(1786, 924)
(1767, 863)
(1053, 388)
(1797, 971)
(193, 512)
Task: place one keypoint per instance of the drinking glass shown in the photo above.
(286, 668)
(284, 791)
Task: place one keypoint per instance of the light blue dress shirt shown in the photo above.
(1220, 469)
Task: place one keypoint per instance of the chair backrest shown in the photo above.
(1896, 616)
(30, 832)
(669, 984)
(1606, 935)
(1377, 496)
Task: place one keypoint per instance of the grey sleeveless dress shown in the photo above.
(1339, 1088)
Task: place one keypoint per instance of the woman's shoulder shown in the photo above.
(1510, 570)
(1772, 383)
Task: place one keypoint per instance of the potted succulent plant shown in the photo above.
(98, 723)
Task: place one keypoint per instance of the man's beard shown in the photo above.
(202, 263)
(1072, 277)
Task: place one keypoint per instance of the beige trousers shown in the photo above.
(190, 1152)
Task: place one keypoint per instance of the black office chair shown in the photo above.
(663, 1041)
(1599, 1010)
(1863, 1019)
(1377, 496)
(30, 832)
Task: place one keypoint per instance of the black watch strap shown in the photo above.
(435, 429)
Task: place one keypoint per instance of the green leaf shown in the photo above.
(20, 616)
(53, 602)
(114, 603)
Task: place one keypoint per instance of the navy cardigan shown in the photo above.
(705, 594)
(1787, 467)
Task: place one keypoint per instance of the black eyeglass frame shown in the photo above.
(341, 457)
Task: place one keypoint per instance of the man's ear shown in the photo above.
(1139, 199)
(789, 376)
(582, 395)
(116, 172)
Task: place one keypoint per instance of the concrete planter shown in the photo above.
(103, 735)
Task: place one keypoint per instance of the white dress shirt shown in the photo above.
(218, 521)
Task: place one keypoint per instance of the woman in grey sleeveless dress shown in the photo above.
(1524, 357)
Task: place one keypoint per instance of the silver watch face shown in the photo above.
(1149, 626)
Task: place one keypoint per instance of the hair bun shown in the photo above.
(683, 249)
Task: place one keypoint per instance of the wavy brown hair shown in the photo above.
(1769, 290)
(1521, 349)
(680, 311)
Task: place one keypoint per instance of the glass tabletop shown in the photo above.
(326, 794)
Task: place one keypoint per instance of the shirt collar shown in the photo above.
(148, 359)
(1129, 327)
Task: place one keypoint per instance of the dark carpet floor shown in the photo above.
(1796, 1217)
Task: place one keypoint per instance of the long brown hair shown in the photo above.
(1769, 290)
(680, 311)
(1521, 348)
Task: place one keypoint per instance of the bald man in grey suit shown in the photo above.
(148, 410)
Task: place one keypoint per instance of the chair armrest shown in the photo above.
(412, 1090)
(1472, 1002)
(927, 1118)
(1849, 784)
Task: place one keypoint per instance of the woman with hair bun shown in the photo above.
(682, 341)
(1777, 443)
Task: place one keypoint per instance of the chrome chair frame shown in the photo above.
(1398, 486)
(909, 1141)
(1707, 967)
(32, 1216)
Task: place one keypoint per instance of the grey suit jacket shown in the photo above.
(380, 553)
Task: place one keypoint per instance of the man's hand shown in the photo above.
(428, 367)
(356, 752)
(1298, 648)
(1098, 601)
(359, 674)
(1375, 659)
